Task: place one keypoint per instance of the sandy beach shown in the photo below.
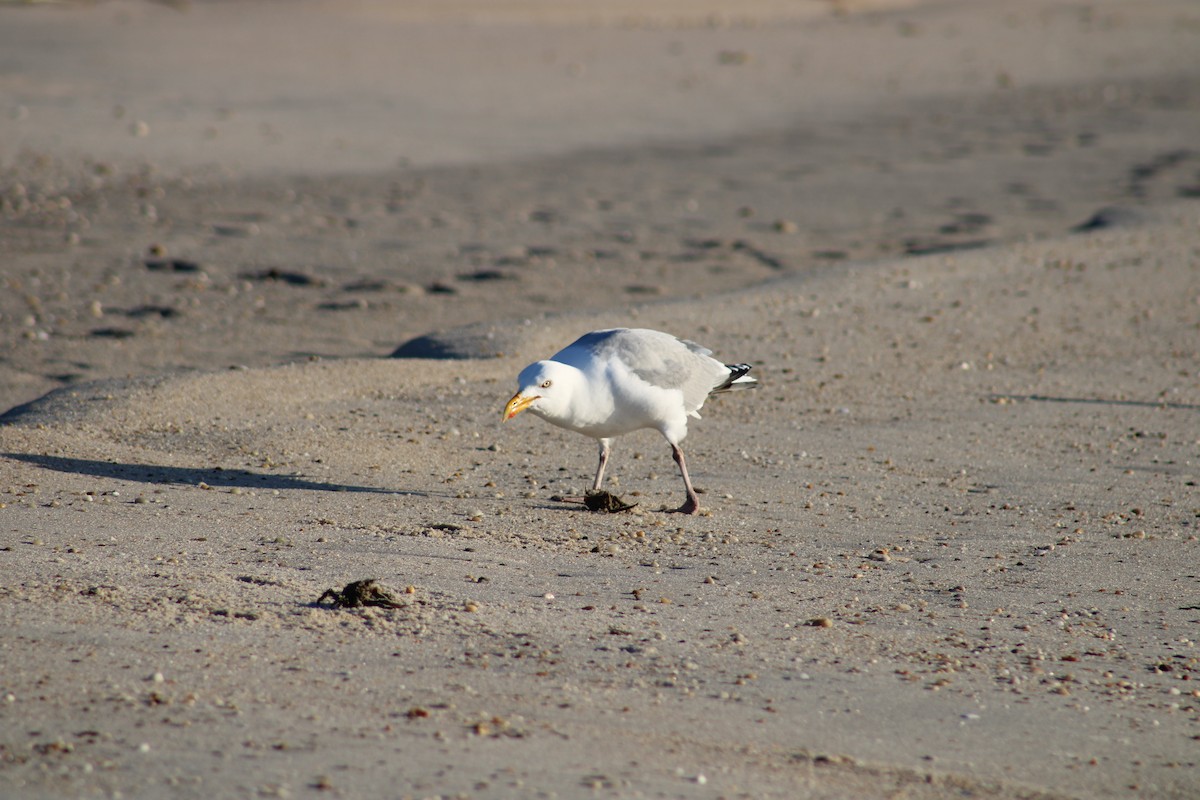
(268, 273)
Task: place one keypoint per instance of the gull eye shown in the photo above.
(545, 384)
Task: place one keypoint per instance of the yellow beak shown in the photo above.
(518, 404)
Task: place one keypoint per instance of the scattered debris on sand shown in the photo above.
(361, 593)
(600, 500)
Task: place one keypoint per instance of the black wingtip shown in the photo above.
(737, 379)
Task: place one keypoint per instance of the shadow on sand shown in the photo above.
(187, 476)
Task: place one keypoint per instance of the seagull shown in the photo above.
(611, 382)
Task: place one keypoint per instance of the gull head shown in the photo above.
(545, 389)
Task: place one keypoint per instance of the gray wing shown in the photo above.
(658, 358)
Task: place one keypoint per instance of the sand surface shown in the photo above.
(949, 547)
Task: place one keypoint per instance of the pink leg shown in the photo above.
(604, 448)
(692, 504)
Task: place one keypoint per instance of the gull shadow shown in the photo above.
(1041, 398)
(190, 476)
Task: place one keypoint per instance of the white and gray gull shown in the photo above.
(611, 382)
